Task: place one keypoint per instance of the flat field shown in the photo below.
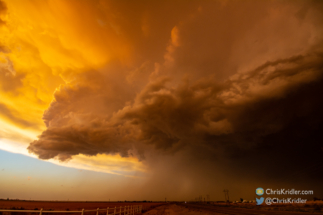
(69, 205)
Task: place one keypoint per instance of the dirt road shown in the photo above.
(173, 209)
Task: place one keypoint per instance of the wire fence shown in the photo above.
(126, 210)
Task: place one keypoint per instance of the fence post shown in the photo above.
(120, 210)
(41, 211)
(97, 211)
(108, 211)
(83, 211)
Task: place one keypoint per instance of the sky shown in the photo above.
(142, 100)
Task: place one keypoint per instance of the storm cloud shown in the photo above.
(221, 81)
(240, 112)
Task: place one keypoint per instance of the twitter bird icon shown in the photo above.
(260, 201)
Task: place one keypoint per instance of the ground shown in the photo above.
(161, 208)
(204, 209)
(68, 205)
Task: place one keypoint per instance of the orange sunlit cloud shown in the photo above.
(44, 53)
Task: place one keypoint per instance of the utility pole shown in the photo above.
(208, 198)
(226, 195)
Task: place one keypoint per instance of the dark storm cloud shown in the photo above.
(238, 113)
(80, 117)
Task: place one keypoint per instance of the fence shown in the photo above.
(126, 210)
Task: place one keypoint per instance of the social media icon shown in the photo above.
(259, 191)
(260, 201)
